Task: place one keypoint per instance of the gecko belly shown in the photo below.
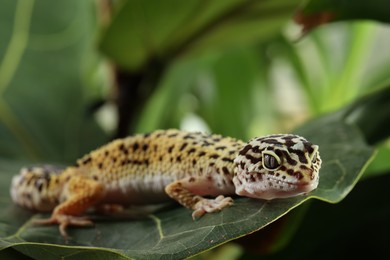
(139, 191)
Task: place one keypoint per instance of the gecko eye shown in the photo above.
(270, 160)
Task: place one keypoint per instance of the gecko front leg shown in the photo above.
(188, 192)
(81, 193)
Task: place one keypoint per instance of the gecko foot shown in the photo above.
(211, 205)
(64, 221)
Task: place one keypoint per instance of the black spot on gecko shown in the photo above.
(188, 137)
(135, 147)
(205, 143)
(253, 159)
(301, 156)
(308, 147)
(86, 160)
(222, 147)
(225, 159)
(303, 167)
(200, 154)
(290, 172)
(191, 150)
(225, 170)
(245, 149)
(194, 162)
(211, 164)
(146, 135)
(183, 146)
(146, 162)
(270, 141)
(95, 177)
(121, 147)
(100, 165)
(172, 135)
(278, 152)
(170, 148)
(242, 164)
(160, 158)
(145, 147)
(192, 179)
(256, 149)
(137, 162)
(288, 158)
(214, 156)
(178, 158)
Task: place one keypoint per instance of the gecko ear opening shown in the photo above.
(271, 161)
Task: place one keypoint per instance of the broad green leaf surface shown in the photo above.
(172, 233)
(145, 31)
(46, 66)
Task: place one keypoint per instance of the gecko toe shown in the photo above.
(64, 221)
(211, 205)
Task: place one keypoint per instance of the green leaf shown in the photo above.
(345, 227)
(45, 69)
(145, 31)
(371, 115)
(172, 233)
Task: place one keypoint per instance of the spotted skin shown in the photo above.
(297, 163)
(184, 166)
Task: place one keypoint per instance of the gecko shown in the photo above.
(200, 171)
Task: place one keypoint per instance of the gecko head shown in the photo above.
(276, 166)
(33, 187)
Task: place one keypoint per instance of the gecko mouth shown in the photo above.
(279, 180)
(302, 186)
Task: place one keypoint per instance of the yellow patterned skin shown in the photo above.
(150, 168)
